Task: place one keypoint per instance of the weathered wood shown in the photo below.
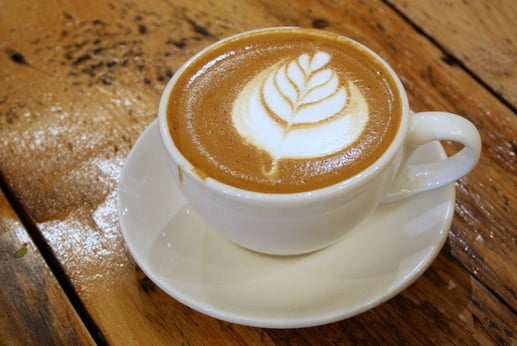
(34, 310)
(481, 34)
(81, 80)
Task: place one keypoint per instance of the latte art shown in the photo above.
(283, 111)
(300, 109)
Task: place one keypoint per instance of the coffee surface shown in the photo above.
(284, 111)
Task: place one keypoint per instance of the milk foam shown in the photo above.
(298, 108)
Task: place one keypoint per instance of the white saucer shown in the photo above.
(191, 262)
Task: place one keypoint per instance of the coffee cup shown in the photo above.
(283, 139)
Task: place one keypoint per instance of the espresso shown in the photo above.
(284, 111)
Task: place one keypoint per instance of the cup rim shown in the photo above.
(216, 186)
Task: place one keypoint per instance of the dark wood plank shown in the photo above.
(83, 79)
(481, 34)
(34, 310)
(454, 308)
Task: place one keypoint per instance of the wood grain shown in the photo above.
(33, 307)
(480, 34)
(81, 81)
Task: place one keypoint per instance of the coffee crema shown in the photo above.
(282, 111)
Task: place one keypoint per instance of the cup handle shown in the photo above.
(427, 127)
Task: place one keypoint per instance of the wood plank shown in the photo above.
(454, 307)
(481, 34)
(33, 307)
(89, 83)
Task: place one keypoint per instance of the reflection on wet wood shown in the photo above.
(81, 80)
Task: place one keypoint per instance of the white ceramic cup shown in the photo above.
(297, 223)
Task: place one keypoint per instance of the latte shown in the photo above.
(283, 111)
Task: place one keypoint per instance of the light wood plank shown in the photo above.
(481, 34)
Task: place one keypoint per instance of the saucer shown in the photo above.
(191, 262)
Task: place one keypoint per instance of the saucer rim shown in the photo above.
(380, 297)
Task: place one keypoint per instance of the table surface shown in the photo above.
(82, 79)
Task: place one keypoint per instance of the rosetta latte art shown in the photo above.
(299, 108)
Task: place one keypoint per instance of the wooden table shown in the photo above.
(80, 80)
